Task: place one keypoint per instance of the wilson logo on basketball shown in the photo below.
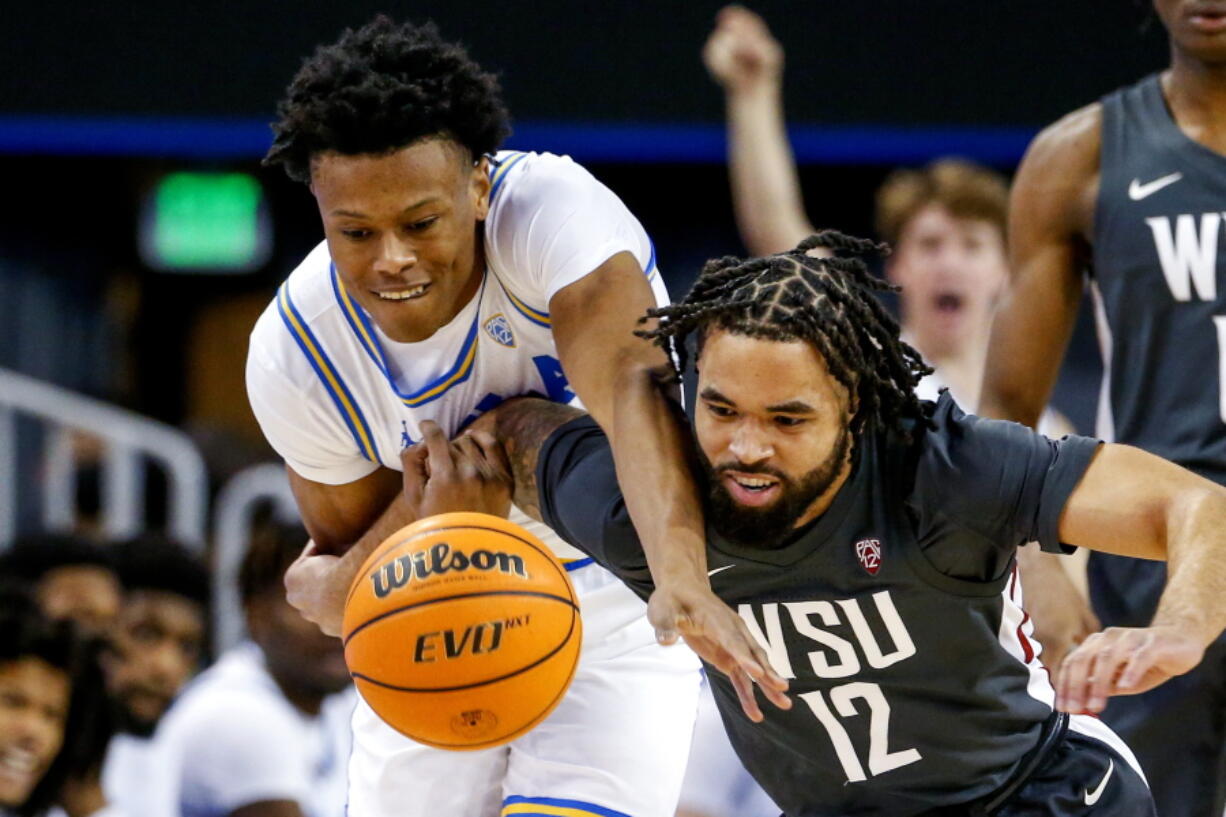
(440, 559)
(868, 551)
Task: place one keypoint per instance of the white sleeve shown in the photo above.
(557, 223)
(309, 437)
(237, 752)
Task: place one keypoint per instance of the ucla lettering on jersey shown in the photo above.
(337, 398)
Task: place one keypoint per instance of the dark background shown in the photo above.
(98, 100)
(1003, 62)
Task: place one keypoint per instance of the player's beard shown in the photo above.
(774, 525)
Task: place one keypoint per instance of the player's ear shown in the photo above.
(480, 187)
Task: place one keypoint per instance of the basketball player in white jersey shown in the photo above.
(453, 277)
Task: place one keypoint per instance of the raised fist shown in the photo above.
(741, 54)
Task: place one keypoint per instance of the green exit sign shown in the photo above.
(205, 222)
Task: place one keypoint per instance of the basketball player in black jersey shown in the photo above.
(867, 539)
(1129, 193)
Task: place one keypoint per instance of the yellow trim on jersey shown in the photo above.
(504, 165)
(456, 377)
(357, 322)
(534, 315)
(340, 394)
(553, 811)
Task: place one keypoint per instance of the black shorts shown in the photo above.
(1085, 774)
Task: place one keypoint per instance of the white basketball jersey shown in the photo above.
(337, 398)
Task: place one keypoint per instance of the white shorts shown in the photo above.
(616, 746)
(716, 783)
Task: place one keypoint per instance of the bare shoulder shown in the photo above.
(1057, 181)
(1074, 137)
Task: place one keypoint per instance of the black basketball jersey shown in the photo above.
(1161, 312)
(1160, 302)
(894, 615)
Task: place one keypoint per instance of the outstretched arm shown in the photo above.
(1132, 503)
(522, 426)
(743, 57)
(618, 377)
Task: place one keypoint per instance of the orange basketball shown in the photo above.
(462, 631)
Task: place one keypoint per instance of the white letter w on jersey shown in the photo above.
(1188, 259)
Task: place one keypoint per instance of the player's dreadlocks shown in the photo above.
(381, 88)
(829, 302)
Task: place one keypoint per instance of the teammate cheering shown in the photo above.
(1132, 189)
(453, 277)
(868, 540)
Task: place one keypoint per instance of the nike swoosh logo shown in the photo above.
(1138, 191)
(719, 569)
(1092, 796)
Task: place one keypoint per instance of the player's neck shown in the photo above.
(1195, 92)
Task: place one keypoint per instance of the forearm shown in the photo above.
(1045, 573)
(317, 584)
(765, 187)
(651, 451)
(395, 517)
(522, 426)
(1195, 596)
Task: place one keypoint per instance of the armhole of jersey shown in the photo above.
(500, 173)
(500, 170)
(539, 317)
(328, 375)
(1111, 138)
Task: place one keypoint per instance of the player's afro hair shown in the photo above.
(830, 302)
(381, 88)
(33, 557)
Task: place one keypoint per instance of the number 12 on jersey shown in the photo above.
(880, 758)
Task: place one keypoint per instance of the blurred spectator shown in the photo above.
(52, 706)
(265, 731)
(158, 643)
(946, 221)
(71, 577)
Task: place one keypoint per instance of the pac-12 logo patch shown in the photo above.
(868, 551)
(500, 330)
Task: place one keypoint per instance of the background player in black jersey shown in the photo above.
(868, 539)
(1132, 189)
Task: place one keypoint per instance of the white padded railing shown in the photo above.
(129, 442)
(233, 513)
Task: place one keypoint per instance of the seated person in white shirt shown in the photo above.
(265, 731)
(51, 705)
